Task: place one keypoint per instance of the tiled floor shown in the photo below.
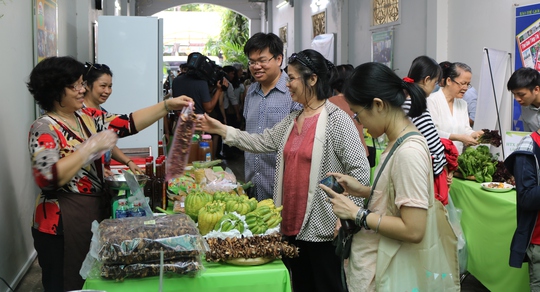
(31, 282)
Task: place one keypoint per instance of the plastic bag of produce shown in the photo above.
(189, 266)
(137, 240)
(181, 144)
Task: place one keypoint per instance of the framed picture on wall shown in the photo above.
(382, 47)
(45, 33)
(45, 29)
(319, 23)
(283, 34)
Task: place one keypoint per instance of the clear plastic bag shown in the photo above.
(138, 240)
(98, 144)
(454, 216)
(181, 144)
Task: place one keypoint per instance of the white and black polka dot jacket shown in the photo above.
(337, 148)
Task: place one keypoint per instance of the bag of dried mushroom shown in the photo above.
(131, 247)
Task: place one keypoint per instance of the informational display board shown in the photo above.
(511, 140)
(527, 47)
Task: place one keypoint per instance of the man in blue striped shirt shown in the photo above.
(267, 102)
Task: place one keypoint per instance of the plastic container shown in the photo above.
(208, 139)
(137, 210)
(194, 149)
(205, 152)
(122, 210)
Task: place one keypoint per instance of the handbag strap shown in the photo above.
(350, 235)
(394, 147)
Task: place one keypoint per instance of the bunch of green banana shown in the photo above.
(209, 215)
(274, 219)
(270, 215)
(267, 202)
(195, 200)
(229, 222)
(240, 204)
(255, 223)
(222, 196)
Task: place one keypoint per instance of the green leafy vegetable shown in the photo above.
(478, 162)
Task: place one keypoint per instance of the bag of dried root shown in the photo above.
(136, 240)
(181, 144)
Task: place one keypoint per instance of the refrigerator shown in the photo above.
(132, 46)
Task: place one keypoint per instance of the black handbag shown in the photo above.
(343, 240)
(372, 154)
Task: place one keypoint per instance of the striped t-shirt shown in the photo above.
(425, 125)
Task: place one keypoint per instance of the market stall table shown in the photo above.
(270, 277)
(489, 221)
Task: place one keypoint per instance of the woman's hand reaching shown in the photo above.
(208, 124)
(177, 103)
(469, 140)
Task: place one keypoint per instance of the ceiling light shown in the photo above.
(282, 3)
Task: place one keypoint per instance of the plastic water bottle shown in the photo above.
(122, 210)
(137, 210)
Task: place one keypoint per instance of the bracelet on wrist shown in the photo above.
(378, 224)
(358, 218)
(127, 163)
(166, 107)
(363, 221)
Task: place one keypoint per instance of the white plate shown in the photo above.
(498, 187)
(250, 262)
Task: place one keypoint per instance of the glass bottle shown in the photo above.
(194, 149)
(205, 152)
(160, 148)
(149, 172)
(157, 186)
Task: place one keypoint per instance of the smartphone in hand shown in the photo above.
(332, 183)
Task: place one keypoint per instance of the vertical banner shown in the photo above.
(494, 102)
(46, 28)
(382, 47)
(527, 47)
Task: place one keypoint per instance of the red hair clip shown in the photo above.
(408, 80)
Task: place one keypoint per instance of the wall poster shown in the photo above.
(382, 47)
(283, 34)
(319, 23)
(46, 28)
(527, 47)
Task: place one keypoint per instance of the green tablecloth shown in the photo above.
(379, 149)
(488, 221)
(271, 277)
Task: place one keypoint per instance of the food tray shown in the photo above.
(498, 187)
(249, 262)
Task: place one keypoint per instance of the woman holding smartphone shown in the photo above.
(318, 139)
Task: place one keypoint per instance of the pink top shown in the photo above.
(297, 157)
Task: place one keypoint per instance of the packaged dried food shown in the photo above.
(187, 266)
(138, 240)
(181, 144)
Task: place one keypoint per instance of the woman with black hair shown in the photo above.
(311, 142)
(406, 243)
(98, 79)
(427, 73)
(65, 145)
